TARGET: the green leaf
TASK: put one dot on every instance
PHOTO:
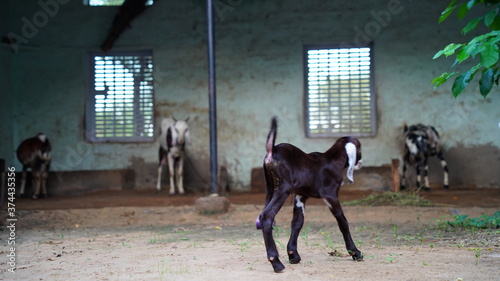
(490, 17)
(465, 52)
(450, 49)
(462, 11)
(470, 4)
(471, 25)
(486, 82)
(490, 55)
(447, 12)
(495, 25)
(438, 54)
(460, 83)
(442, 78)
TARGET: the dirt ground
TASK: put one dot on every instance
(143, 235)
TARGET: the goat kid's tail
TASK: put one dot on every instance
(271, 138)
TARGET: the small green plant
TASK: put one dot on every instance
(305, 232)
(477, 254)
(250, 267)
(391, 258)
(278, 230)
(282, 246)
(483, 222)
(244, 246)
(395, 231)
(329, 243)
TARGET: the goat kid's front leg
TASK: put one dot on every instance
(180, 174)
(335, 208)
(158, 183)
(297, 223)
(267, 220)
(171, 169)
(23, 182)
(162, 160)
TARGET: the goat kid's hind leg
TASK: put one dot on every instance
(37, 179)
(425, 172)
(445, 170)
(335, 208)
(402, 184)
(23, 182)
(44, 176)
(297, 223)
(267, 219)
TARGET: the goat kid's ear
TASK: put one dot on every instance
(350, 149)
(187, 119)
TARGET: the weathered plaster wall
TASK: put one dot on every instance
(5, 93)
(259, 74)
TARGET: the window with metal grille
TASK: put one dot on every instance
(110, 2)
(339, 95)
(120, 98)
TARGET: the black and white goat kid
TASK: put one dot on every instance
(422, 142)
(174, 135)
(288, 170)
(34, 154)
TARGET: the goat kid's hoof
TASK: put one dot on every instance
(446, 187)
(278, 267)
(294, 257)
(356, 256)
(35, 197)
(426, 188)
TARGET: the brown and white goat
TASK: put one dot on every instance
(174, 135)
(34, 154)
(288, 170)
(422, 142)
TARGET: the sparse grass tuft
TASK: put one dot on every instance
(410, 198)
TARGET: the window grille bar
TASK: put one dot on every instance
(120, 100)
(339, 94)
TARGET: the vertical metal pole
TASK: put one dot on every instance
(212, 98)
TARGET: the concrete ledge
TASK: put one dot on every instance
(71, 183)
(367, 178)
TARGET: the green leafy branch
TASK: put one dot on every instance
(484, 46)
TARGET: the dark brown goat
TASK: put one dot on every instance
(34, 153)
(289, 170)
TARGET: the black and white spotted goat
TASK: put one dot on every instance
(174, 135)
(422, 142)
(34, 154)
(289, 170)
